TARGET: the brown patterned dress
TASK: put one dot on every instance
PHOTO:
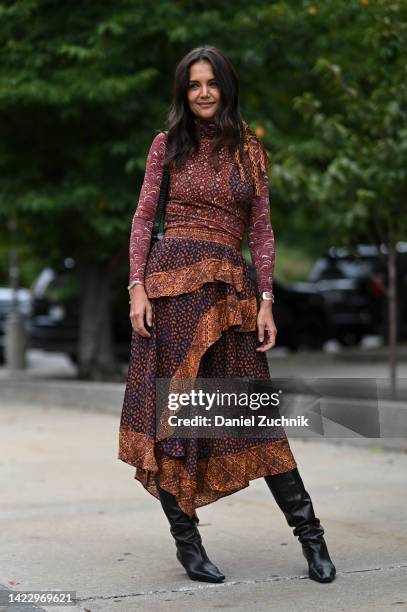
(205, 309)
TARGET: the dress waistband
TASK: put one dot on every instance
(201, 233)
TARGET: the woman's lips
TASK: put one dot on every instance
(207, 104)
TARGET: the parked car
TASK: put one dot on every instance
(299, 312)
(354, 284)
(23, 306)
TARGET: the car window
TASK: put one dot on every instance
(355, 268)
(343, 268)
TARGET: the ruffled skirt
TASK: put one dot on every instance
(204, 325)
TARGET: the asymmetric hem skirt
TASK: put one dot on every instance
(204, 325)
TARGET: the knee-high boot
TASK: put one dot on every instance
(190, 551)
(295, 502)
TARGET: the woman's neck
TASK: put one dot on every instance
(205, 127)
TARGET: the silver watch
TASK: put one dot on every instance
(135, 282)
(267, 295)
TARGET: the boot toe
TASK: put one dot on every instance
(322, 572)
(323, 575)
(213, 571)
(320, 565)
(206, 572)
(202, 569)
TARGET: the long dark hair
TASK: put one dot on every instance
(182, 136)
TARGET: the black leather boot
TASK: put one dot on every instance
(291, 496)
(190, 552)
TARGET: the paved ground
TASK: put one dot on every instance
(74, 518)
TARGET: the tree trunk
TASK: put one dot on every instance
(392, 305)
(96, 358)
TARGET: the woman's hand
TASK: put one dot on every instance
(265, 321)
(140, 306)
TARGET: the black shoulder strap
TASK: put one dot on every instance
(160, 212)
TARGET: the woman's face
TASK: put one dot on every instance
(203, 91)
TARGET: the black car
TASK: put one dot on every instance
(354, 287)
(299, 313)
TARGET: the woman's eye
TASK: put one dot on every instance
(213, 84)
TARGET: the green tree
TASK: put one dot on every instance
(360, 122)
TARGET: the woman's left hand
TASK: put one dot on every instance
(265, 323)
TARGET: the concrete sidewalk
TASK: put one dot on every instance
(74, 518)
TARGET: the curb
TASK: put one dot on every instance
(369, 355)
(80, 395)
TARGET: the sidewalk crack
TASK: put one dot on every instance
(229, 583)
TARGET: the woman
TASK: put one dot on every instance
(194, 292)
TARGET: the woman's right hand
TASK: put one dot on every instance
(140, 306)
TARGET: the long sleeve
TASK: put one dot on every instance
(260, 230)
(143, 219)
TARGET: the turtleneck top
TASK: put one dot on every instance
(228, 200)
